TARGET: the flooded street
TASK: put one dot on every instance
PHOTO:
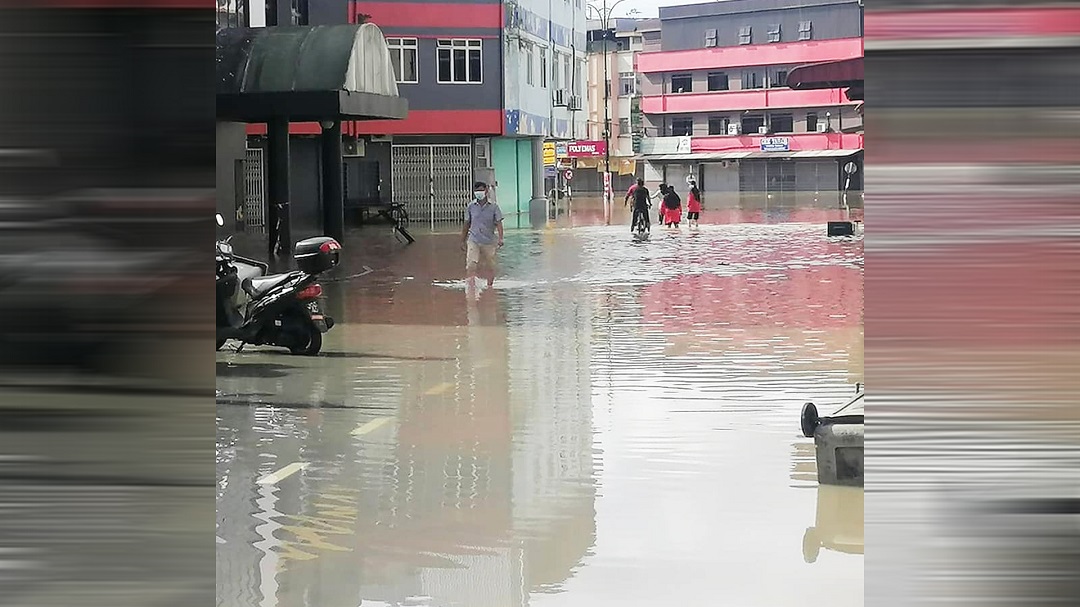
(614, 423)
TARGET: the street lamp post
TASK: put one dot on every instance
(604, 15)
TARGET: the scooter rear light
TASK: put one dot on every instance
(309, 293)
(330, 245)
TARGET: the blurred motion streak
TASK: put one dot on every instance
(106, 190)
(971, 190)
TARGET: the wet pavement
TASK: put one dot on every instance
(614, 423)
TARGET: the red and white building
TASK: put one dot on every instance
(717, 105)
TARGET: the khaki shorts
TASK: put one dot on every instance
(475, 252)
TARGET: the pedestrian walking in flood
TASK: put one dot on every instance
(671, 208)
(482, 235)
(693, 206)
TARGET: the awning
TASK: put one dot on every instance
(306, 74)
(827, 75)
(750, 155)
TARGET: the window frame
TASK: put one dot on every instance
(759, 80)
(746, 35)
(543, 67)
(712, 37)
(623, 77)
(399, 47)
(681, 119)
(708, 81)
(772, 121)
(689, 78)
(774, 34)
(775, 76)
(816, 121)
(725, 122)
(470, 46)
(806, 30)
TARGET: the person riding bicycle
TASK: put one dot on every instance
(640, 194)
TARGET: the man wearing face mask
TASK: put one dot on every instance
(482, 234)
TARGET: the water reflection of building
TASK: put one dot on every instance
(551, 415)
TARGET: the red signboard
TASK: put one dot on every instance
(585, 149)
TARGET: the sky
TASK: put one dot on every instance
(647, 8)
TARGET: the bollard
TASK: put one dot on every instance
(839, 450)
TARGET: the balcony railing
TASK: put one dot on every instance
(755, 99)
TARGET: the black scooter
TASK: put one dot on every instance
(276, 309)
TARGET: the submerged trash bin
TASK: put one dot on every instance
(838, 442)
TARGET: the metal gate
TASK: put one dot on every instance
(433, 181)
(254, 191)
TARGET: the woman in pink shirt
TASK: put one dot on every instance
(693, 206)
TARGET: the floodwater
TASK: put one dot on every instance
(614, 423)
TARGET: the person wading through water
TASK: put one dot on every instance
(482, 234)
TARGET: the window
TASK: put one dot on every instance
(624, 126)
(752, 79)
(299, 12)
(710, 38)
(779, 79)
(782, 123)
(403, 54)
(752, 123)
(682, 83)
(232, 13)
(745, 34)
(627, 84)
(543, 68)
(811, 122)
(718, 81)
(460, 61)
(718, 125)
(568, 76)
(774, 33)
(529, 66)
(682, 127)
(806, 29)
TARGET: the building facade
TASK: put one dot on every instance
(545, 74)
(622, 87)
(717, 107)
(486, 81)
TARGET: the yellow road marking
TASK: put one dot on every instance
(287, 471)
(439, 388)
(371, 426)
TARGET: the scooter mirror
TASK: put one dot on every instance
(220, 220)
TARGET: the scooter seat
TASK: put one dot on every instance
(257, 287)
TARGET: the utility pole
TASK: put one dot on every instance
(604, 14)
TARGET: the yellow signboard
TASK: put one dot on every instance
(549, 153)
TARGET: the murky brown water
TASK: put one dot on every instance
(615, 423)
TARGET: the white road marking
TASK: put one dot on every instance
(287, 471)
(371, 426)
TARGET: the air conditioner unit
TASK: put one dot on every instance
(822, 127)
(560, 98)
(353, 147)
(734, 129)
(483, 153)
(763, 130)
(575, 103)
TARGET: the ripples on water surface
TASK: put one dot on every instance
(615, 423)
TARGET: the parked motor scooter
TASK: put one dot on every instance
(276, 309)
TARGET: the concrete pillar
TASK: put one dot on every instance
(278, 191)
(332, 182)
(538, 204)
